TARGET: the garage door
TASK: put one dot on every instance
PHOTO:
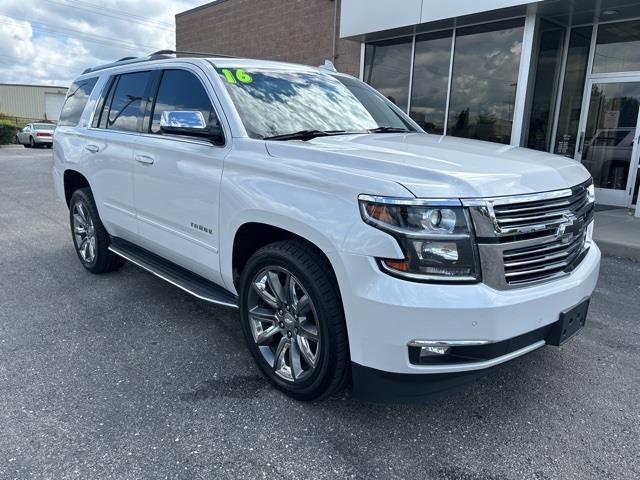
(53, 105)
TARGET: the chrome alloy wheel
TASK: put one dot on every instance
(284, 323)
(84, 233)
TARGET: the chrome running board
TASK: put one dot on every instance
(185, 280)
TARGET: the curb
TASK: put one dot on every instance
(622, 250)
(12, 146)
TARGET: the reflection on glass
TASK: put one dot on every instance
(544, 92)
(181, 90)
(571, 103)
(611, 128)
(430, 81)
(617, 47)
(77, 99)
(387, 67)
(127, 100)
(277, 102)
(484, 80)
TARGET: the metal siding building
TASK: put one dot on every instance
(37, 102)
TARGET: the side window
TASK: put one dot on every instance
(124, 106)
(75, 102)
(181, 90)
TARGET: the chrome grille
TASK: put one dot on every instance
(528, 214)
(525, 239)
(531, 214)
(523, 265)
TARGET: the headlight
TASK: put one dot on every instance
(435, 236)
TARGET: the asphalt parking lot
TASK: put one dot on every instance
(123, 376)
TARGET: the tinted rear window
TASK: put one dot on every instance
(126, 108)
(77, 98)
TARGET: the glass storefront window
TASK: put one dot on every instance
(611, 132)
(545, 87)
(617, 47)
(484, 80)
(571, 103)
(431, 81)
(387, 67)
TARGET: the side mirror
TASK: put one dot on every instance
(189, 123)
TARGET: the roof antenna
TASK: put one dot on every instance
(328, 65)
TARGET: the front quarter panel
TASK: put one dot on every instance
(309, 199)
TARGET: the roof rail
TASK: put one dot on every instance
(153, 56)
(193, 54)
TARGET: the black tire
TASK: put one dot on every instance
(103, 260)
(32, 143)
(313, 271)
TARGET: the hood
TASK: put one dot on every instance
(432, 166)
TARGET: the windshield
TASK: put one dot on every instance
(44, 126)
(276, 102)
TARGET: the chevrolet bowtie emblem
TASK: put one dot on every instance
(561, 233)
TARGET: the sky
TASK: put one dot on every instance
(52, 41)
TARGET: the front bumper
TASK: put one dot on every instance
(385, 313)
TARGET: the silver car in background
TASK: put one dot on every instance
(36, 135)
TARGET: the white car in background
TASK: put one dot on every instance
(36, 135)
(352, 243)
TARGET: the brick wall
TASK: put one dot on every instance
(300, 31)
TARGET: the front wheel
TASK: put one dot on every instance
(90, 238)
(293, 320)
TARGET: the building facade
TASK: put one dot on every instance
(561, 76)
(556, 75)
(299, 31)
(31, 102)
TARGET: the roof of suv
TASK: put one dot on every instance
(218, 60)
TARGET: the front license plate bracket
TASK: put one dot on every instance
(571, 321)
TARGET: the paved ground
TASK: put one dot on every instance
(123, 376)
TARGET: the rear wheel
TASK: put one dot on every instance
(90, 238)
(32, 143)
(293, 320)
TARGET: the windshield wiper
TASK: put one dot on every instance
(306, 135)
(389, 130)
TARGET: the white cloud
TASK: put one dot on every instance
(52, 41)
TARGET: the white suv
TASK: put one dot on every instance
(353, 243)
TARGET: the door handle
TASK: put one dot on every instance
(92, 148)
(146, 159)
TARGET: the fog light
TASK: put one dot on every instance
(433, 351)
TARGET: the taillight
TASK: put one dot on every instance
(43, 134)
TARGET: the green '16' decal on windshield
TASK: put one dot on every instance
(239, 76)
